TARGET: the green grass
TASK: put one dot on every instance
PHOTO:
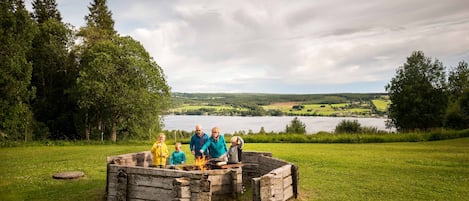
(437, 170)
(185, 108)
(338, 109)
(381, 105)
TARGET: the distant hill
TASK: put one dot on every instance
(259, 104)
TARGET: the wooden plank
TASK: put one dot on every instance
(277, 187)
(149, 180)
(150, 193)
(227, 166)
(295, 180)
(255, 185)
(287, 181)
(283, 171)
(288, 193)
(266, 188)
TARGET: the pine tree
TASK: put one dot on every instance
(99, 23)
(45, 10)
(16, 34)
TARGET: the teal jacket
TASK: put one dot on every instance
(216, 148)
(178, 158)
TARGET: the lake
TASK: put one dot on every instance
(230, 124)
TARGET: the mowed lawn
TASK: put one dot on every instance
(436, 170)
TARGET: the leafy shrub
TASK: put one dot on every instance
(296, 126)
(348, 126)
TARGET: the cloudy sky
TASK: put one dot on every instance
(279, 46)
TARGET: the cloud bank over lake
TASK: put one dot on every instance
(287, 46)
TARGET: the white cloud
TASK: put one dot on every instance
(288, 47)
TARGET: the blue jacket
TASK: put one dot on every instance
(197, 143)
(216, 148)
(178, 158)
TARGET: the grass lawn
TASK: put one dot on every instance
(437, 170)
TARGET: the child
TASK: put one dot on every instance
(236, 149)
(178, 156)
(159, 151)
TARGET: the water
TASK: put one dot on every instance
(230, 124)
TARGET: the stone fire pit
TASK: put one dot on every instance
(130, 177)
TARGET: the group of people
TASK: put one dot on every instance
(201, 145)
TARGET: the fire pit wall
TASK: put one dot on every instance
(129, 177)
(271, 178)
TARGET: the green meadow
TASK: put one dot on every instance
(336, 109)
(436, 170)
(381, 105)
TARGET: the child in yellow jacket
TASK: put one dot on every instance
(160, 151)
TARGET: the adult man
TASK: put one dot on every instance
(198, 139)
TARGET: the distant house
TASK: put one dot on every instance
(298, 107)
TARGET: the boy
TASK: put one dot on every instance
(159, 151)
(178, 156)
(236, 149)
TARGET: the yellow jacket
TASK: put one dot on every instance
(160, 153)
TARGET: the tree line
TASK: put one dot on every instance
(62, 83)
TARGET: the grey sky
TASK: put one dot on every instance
(319, 46)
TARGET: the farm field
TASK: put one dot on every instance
(225, 104)
(381, 105)
(437, 170)
(337, 109)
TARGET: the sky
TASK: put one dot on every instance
(289, 47)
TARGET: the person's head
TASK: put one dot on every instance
(215, 132)
(177, 146)
(234, 141)
(198, 129)
(161, 137)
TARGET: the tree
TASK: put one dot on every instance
(458, 80)
(16, 34)
(99, 23)
(262, 130)
(99, 27)
(123, 85)
(417, 94)
(296, 126)
(45, 10)
(457, 116)
(53, 74)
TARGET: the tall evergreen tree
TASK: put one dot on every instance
(45, 10)
(417, 94)
(53, 75)
(16, 34)
(99, 23)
